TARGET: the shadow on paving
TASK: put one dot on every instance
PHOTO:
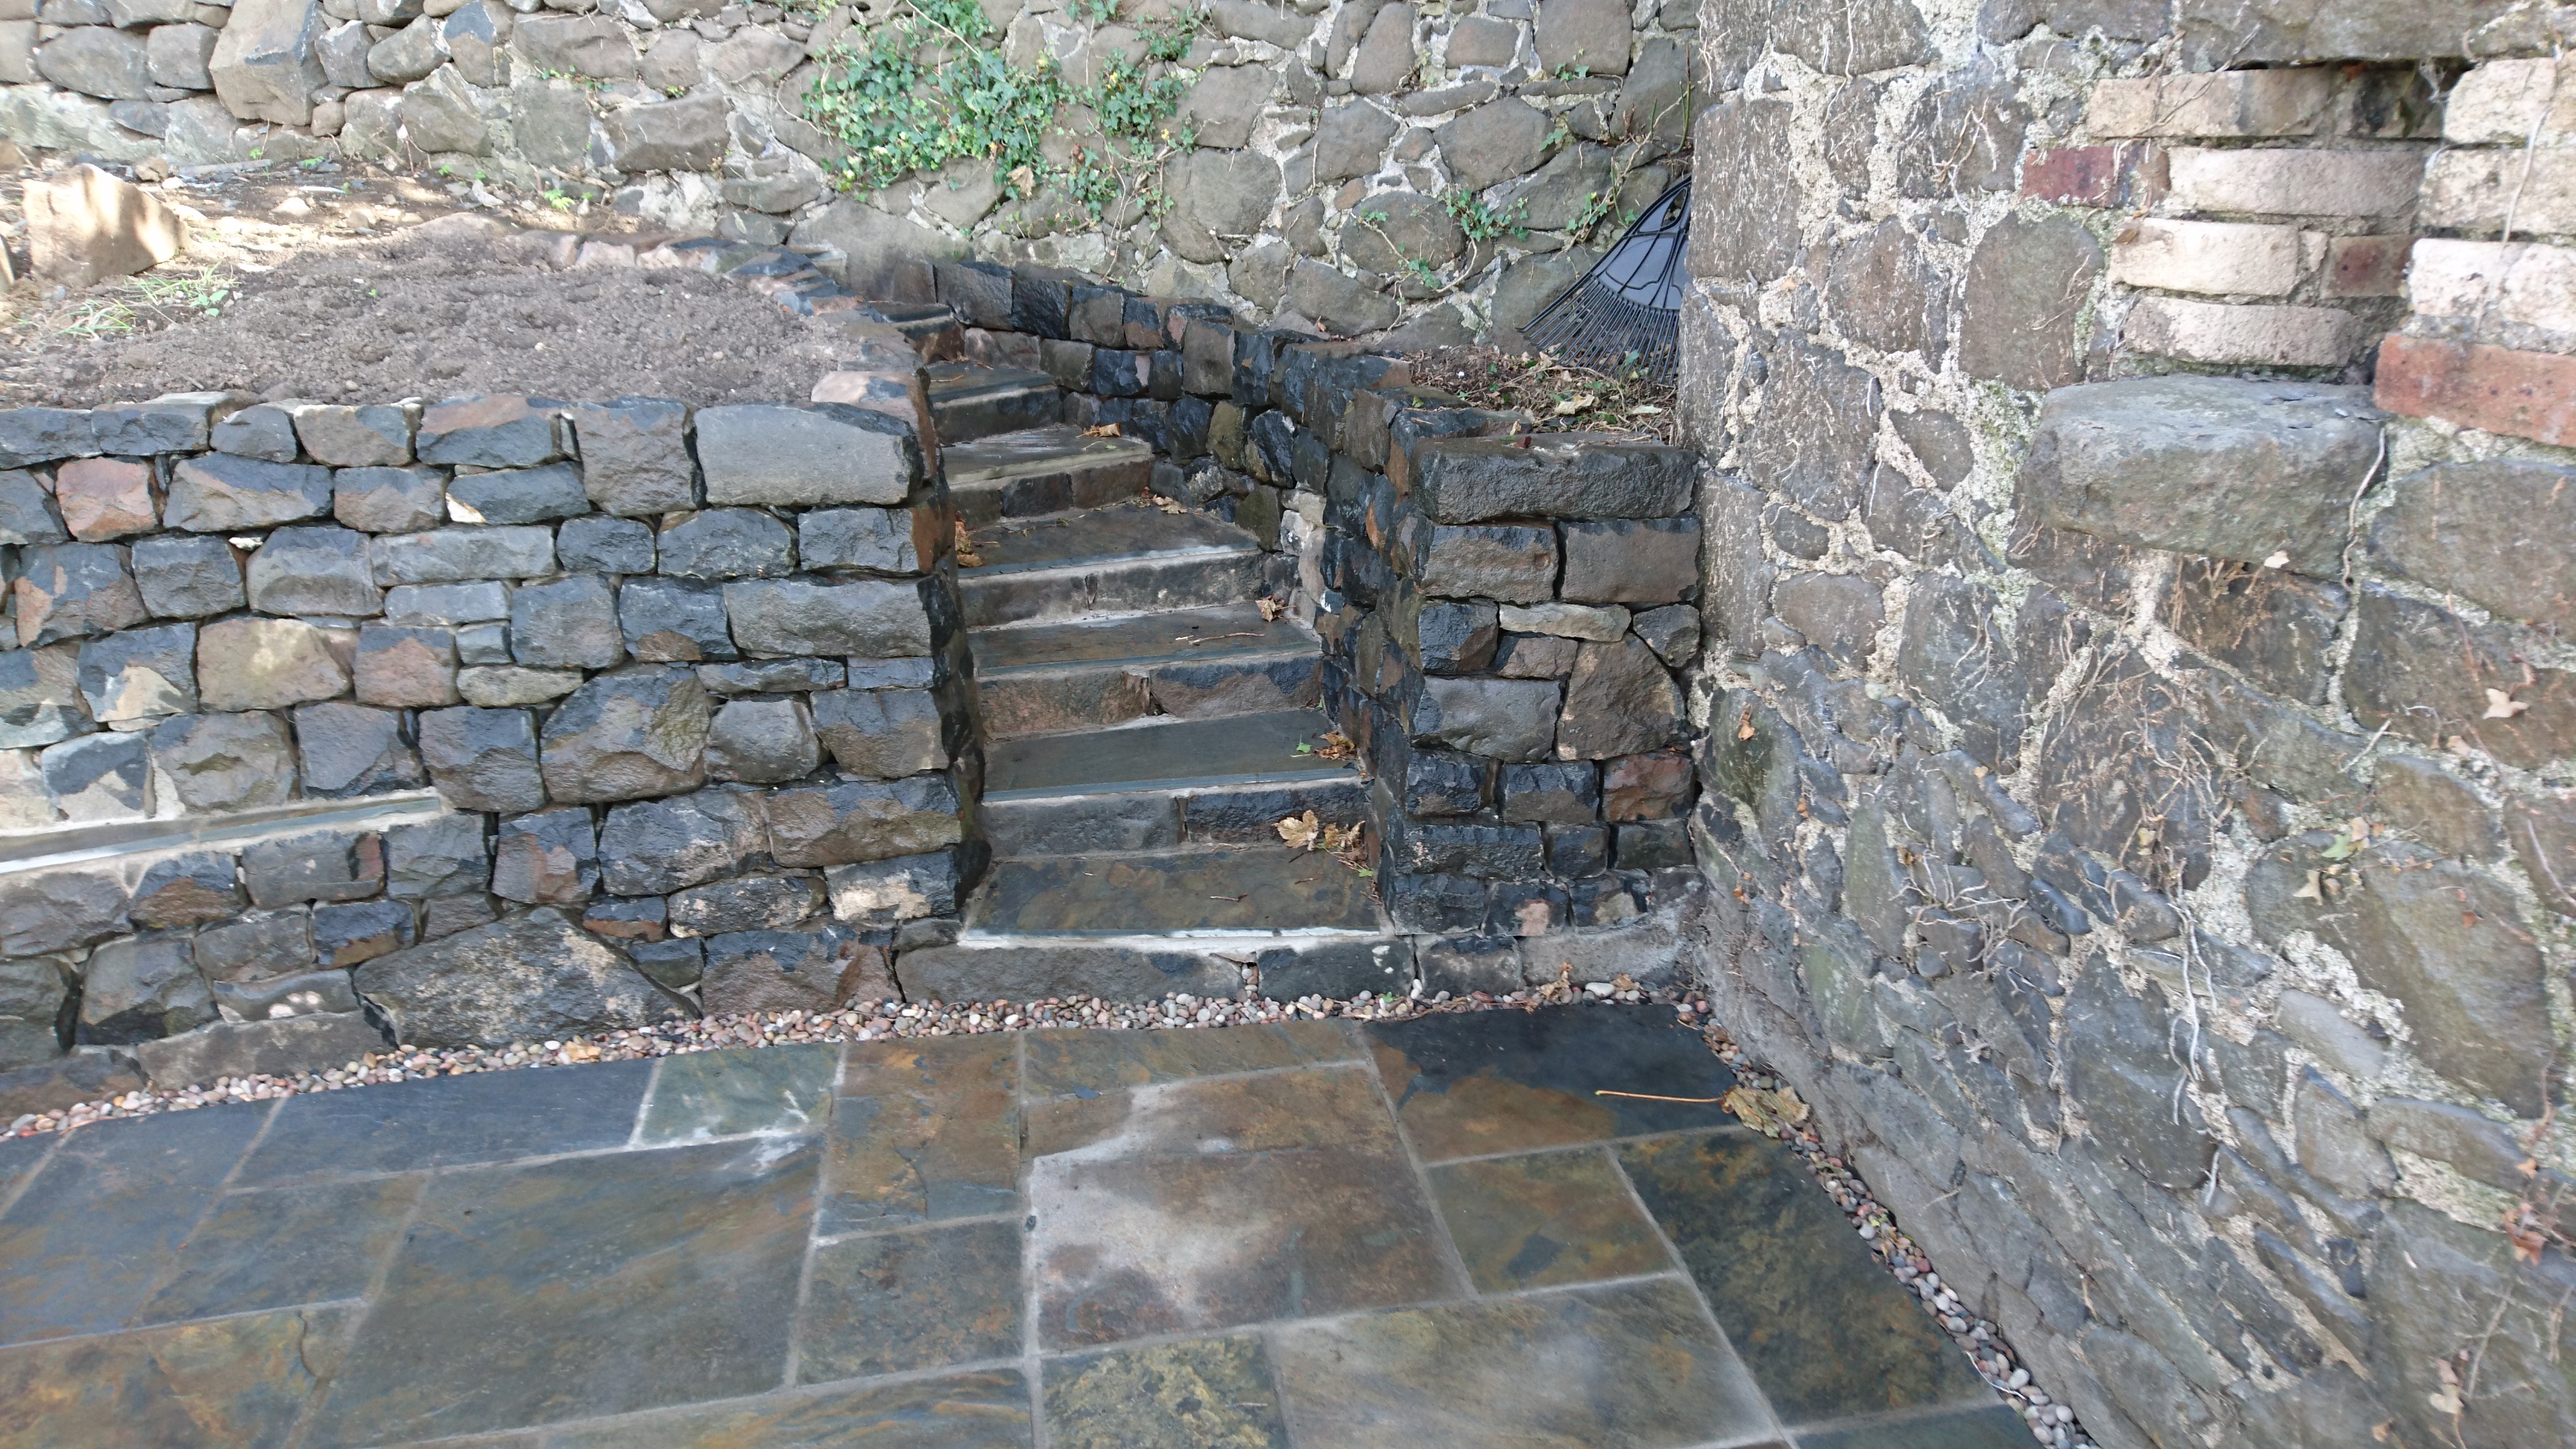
(1464, 1229)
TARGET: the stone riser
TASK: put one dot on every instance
(1147, 968)
(986, 412)
(1184, 582)
(1157, 820)
(1077, 697)
(1096, 486)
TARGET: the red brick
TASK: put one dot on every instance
(2367, 266)
(2127, 175)
(2495, 389)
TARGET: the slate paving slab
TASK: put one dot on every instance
(1208, 1391)
(598, 1285)
(702, 1096)
(1634, 1364)
(923, 1131)
(280, 1247)
(237, 1380)
(1489, 1082)
(1253, 888)
(104, 1221)
(1079, 1061)
(1544, 1220)
(987, 1410)
(1993, 1426)
(19, 1159)
(1191, 1206)
(1825, 1330)
(447, 1121)
(889, 1303)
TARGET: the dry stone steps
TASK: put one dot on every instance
(1038, 470)
(1226, 660)
(1067, 566)
(1148, 725)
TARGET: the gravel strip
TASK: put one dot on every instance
(860, 1021)
(2051, 1423)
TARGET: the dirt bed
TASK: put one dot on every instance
(441, 309)
(1560, 397)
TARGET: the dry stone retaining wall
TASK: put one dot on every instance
(2135, 754)
(1337, 141)
(689, 684)
(1503, 615)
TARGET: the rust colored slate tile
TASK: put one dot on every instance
(894, 1302)
(526, 1295)
(1147, 1246)
(284, 1246)
(1482, 1083)
(1635, 1365)
(922, 1131)
(965, 1411)
(232, 1381)
(1544, 1220)
(1208, 1393)
(1825, 1331)
(1072, 1061)
(1323, 1107)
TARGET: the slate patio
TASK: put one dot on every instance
(1417, 1234)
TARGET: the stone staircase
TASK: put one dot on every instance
(1146, 726)
(1146, 729)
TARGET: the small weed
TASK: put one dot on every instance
(1481, 222)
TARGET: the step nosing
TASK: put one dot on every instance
(1094, 563)
(1203, 784)
(990, 940)
(1060, 666)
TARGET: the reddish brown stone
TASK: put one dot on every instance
(105, 498)
(2367, 266)
(1645, 787)
(2496, 389)
(2129, 175)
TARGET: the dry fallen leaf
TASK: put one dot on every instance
(581, 1051)
(1174, 505)
(1105, 430)
(1301, 831)
(1767, 1112)
(1573, 405)
(2501, 705)
(967, 558)
(1335, 746)
(1270, 609)
(1744, 726)
(2280, 559)
(2314, 890)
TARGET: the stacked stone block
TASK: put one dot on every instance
(689, 683)
(2108, 824)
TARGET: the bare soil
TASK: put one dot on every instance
(365, 287)
(1561, 398)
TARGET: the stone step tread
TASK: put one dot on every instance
(950, 382)
(1099, 536)
(1061, 448)
(1253, 888)
(1247, 749)
(1172, 636)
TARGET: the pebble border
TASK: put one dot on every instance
(2052, 1423)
